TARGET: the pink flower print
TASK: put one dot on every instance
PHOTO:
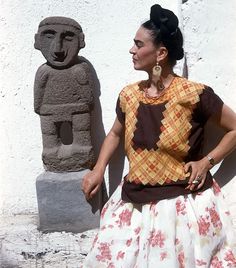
(177, 241)
(128, 242)
(104, 210)
(153, 209)
(189, 225)
(216, 263)
(203, 226)
(163, 256)
(137, 230)
(200, 263)
(157, 238)
(112, 202)
(215, 218)
(95, 241)
(180, 207)
(216, 188)
(136, 253)
(227, 213)
(105, 252)
(138, 239)
(125, 218)
(181, 259)
(229, 257)
(111, 265)
(120, 255)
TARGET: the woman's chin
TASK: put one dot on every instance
(136, 67)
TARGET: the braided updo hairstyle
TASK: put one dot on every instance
(163, 25)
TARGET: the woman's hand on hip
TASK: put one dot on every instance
(198, 171)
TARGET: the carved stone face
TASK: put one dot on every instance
(59, 44)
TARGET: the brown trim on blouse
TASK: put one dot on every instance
(139, 193)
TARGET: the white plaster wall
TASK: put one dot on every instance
(210, 45)
(109, 28)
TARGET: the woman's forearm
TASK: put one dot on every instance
(109, 146)
(225, 147)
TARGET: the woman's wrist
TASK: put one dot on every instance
(99, 168)
(210, 161)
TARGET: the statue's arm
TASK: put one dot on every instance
(40, 82)
(84, 79)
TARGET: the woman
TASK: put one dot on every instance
(168, 211)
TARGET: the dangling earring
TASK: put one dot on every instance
(156, 76)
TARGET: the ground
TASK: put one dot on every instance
(23, 246)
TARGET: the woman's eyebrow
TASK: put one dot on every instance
(136, 41)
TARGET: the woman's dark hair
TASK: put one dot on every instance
(163, 25)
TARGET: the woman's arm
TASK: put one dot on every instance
(226, 120)
(93, 180)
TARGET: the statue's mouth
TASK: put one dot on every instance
(59, 56)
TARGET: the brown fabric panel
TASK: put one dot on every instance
(139, 193)
(147, 132)
(209, 105)
(120, 114)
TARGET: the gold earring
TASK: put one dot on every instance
(156, 76)
(156, 72)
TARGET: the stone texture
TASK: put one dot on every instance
(62, 205)
(63, 96)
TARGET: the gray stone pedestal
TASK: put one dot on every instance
(62, 205)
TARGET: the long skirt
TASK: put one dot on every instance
(188, 231)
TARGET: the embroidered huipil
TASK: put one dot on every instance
(161, 135)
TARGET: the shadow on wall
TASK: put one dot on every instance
(227, 169)
(98, 134)
(116, 167)
(213, 135)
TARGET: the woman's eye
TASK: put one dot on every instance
(139, 44)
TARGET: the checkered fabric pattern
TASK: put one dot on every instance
(166, 163)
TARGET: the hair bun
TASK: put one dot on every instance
(164, 19)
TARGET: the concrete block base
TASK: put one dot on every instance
(62, 205)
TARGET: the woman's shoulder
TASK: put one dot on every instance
(132, 87)
(190, 83)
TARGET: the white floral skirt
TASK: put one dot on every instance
(188, 231)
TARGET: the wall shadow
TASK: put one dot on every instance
(116, 167)
(97, 128)
(227, 169)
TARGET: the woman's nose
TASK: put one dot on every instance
(132, 51)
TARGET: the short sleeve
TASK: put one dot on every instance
(210, 104)
(120, 110)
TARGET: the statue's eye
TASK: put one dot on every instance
(49, 34)
(68, 36)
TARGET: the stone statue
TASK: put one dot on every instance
(63, 96)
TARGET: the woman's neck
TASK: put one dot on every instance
(167, 76)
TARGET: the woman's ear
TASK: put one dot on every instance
(162, 53)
